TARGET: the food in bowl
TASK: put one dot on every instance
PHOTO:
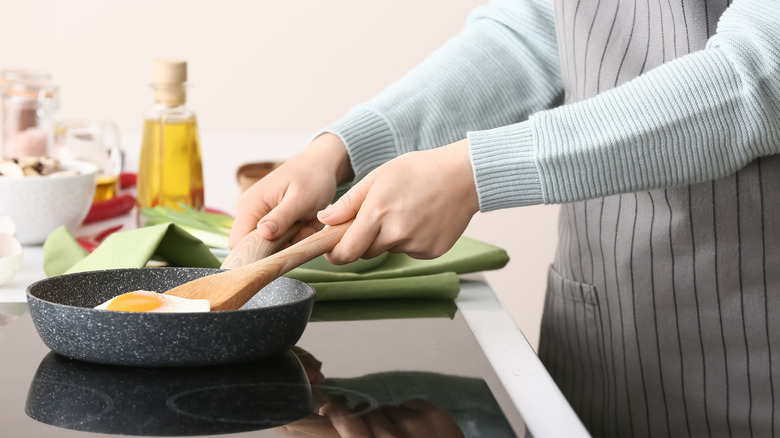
(149, 301)
(33, 166)
(41, 204)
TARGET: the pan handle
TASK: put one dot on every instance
(253, 247)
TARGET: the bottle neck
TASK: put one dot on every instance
(167, 114)
(170, 95)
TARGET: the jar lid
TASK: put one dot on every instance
(30, 89)
(23, 75)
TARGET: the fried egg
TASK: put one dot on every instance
(147, 301)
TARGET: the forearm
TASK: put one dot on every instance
(499, 70)
(697, 118)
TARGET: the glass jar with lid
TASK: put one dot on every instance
(30, 104)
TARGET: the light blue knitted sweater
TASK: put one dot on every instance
(697, 118)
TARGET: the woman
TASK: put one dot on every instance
(664, 156)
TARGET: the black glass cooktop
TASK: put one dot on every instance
(359, 367)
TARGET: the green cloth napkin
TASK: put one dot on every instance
(402, 276)
(60, 252)
(441, 285)
(391, 308)
(466, 256)
(399, 276)
(126, 249)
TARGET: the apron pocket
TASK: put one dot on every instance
(570, 289)
(571, 346)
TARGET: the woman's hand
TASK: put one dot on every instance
(293, 192)
(311, 365)
(415, 418)
(419, 204)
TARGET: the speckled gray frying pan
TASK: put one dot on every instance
(63, 311)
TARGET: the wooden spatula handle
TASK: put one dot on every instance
(254, 247)
(309, 248)
(231, 289)
(254, 276)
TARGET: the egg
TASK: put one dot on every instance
(147, 301)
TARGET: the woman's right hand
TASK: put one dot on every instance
(294, 192)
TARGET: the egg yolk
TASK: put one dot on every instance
(135, 302)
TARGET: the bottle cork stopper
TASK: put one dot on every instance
(169, 71)
(168, 77)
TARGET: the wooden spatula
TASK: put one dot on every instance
(253, 247)
(231, 289)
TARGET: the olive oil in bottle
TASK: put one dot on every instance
(170, 170)
(107, 187)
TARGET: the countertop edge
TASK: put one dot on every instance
(544, 409)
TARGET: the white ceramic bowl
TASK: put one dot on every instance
(11, 257)
(7, 226)
(40, 205)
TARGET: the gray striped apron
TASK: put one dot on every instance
(660, 317)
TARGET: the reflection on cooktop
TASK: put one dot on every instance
(243, 403)
(358, 365)
(274, 393)
(167, 401)
(414, 404)
(8, 313)
(449, 405)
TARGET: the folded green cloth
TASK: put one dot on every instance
(402, 276)
(398, 276)
(391, 308)
(127, 249)
(441, 285)
(466, 256)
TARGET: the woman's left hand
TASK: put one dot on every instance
(415, 418)
(418, 204)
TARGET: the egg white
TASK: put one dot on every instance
(170, 303)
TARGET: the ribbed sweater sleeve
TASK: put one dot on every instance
(697, 118)
(502, 67)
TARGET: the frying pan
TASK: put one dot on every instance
(62, 309)
(169, 401)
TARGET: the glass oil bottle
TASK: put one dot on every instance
(170, 171)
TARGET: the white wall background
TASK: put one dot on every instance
(269, 66)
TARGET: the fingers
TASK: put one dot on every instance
(311, 365)
(345, 421)
(310, 228)
(347, 205)
(249, 209)
(376, 423)
(414, 418)
(293, 192)
(382, 424)
(360, 234)
(293, 207)
(425, 416)
(274, 211)
(418, 404)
